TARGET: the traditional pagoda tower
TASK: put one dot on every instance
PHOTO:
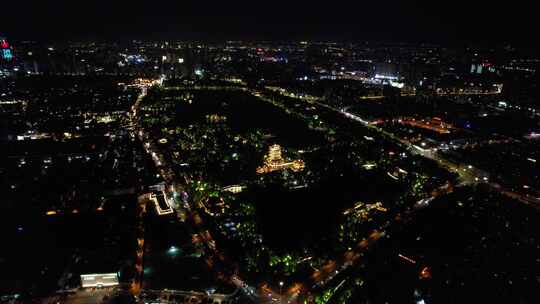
(274, 161)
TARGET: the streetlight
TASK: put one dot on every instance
(280, 287)
(173, 251)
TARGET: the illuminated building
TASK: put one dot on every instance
(161, 203)
(215, 118)
(363, 211)
(385, 70)
(145, 82)
(274, 161)
(99, 280)
(434, 124)
(234, 188)
(476, 69)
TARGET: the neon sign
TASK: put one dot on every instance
(6, 54)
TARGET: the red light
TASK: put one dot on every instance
(4, 44)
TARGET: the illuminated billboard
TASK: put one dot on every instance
(5, 50)
(4, 44)
(6, 54)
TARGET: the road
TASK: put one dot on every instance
(175, 184)
(172, 296)
(468, 175)
(83, 296)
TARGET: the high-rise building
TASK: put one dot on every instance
(6, 54)
(385, 70)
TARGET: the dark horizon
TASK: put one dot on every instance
(458, 23)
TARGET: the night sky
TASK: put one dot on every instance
(382, 20)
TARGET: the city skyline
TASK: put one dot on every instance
(269, 153)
